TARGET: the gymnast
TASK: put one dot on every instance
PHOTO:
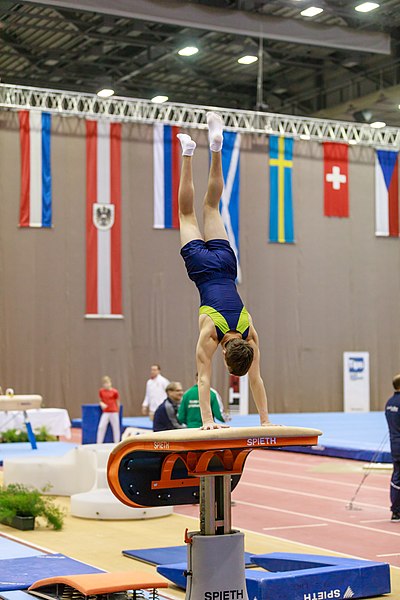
(211, 264)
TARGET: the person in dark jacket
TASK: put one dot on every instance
(392, 412)
(165, 416)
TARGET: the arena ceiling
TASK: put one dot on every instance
(342, 64)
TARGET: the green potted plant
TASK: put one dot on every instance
(20, 435)
(19, 506)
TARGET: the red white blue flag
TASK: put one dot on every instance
(166, 165)
(387, 193)
(35, 138)
(103, 220)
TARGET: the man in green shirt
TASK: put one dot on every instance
(189, 409)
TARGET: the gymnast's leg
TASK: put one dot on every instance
(189, 228)
(213, 224)
(114, 420)
(395, 490)
(102, 428)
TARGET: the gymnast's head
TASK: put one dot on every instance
(238, 356)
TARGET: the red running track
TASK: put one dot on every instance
(304, 498)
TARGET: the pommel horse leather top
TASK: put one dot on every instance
(20, 402)
(164, 468)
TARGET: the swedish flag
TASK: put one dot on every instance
(281, 228)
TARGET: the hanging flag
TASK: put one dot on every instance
(166, 165)
(281, 229)
(103, 220)
(336, 180)
(35, 206)
(229, 205)
(387, 193)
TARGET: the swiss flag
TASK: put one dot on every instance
(336, 180)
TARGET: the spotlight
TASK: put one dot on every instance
(248, 59)
(312, 11)
(378, 124)
(159, 99)
(188, 51)
(105, 93)
(366, 7)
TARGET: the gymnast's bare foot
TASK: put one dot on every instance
(212, 425)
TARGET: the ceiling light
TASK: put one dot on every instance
(350, 63)
(105, 93)
(366, 7)
(353, 142)
(311, 11)
(159, 99)
(305, 136)
(378, 124)
(248, 59)
(399, 106)
(188, 51)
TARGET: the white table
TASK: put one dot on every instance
(56, 420)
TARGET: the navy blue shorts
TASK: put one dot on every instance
(209, 260)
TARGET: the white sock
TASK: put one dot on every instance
(215, 129)
(188, 145)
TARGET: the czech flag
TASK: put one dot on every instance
(166, 165)
(36, 201)
(387, 193)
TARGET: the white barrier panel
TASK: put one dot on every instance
(356, 381)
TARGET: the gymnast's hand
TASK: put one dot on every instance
(211, 425)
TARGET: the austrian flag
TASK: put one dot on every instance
(336, 180)
(103, 220)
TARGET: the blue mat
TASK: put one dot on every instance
(15, 595)
(302, 577)
(345, 435)
(12, 549)
(20, 573)
(168, 555)
(44, 449)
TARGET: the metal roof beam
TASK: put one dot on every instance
(14, 97)
(197, 16)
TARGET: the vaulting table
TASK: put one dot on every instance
(195, 466)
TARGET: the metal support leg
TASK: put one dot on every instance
(31, 435)
(215, 505)
(216, 553)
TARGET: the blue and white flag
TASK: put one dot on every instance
(230, 199)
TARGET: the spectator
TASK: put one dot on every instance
(165, 415)
(189, 409)
(155, 391)
(109, 403)
(392, 412)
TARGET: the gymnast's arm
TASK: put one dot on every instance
(206, 346)
(256, 383)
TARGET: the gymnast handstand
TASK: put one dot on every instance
(211, 264)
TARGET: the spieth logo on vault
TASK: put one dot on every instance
(161, 445)
(263, 441)
(328, 595)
